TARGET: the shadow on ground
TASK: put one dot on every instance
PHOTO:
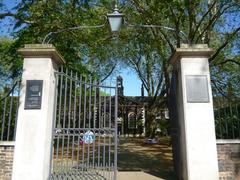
(154, 159)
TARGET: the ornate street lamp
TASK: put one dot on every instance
(115, 20)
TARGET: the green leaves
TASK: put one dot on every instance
(94, 50)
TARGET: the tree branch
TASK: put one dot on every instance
(158, 87)
(212, 22)
(228, 39)
(110, 72)
(137, 69)
(203, 17)
(227, 61)
(218, 89)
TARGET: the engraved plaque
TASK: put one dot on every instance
(197, 89)
(33, 97)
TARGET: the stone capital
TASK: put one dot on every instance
(42, 51)
(195, 50)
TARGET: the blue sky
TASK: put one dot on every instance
(132, 85)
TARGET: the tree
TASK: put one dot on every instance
(146, 50)
(212, 22)
(51, 20)
(10, 63)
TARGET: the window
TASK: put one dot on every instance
(132, 120)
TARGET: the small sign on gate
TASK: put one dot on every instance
(88, 137)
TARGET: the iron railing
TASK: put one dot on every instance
(9, 102)
(85, 128)
(227, 117)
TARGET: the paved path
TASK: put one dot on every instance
(126, 175)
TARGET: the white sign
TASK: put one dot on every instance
(88, 137)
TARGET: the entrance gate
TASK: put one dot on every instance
(85, 129)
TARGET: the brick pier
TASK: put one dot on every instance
(6, 160)
(229, 159)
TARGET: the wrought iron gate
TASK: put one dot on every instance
(85, 129)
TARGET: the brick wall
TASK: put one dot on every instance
(6, 160)
(229, 159)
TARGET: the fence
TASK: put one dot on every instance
(9, 102)
(227, 117)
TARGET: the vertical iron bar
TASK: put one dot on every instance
(10, 115)
(78, 147)
(64, 119)
(80, 102)
(3, 122)
(59, 112)
(104, 124)
(74, 116)
(17, 106)
(75, 98)
(226, 120)
(94, 120)
(89, 118)
(110, 126)
(231, 117)
(79, 117)
(99, 124)
(85, 101)
(104, 110)
(52, 165)
(69, 117)
(84, 120)
(90, 103)
(116, 138)
(219, 116)
(94, 104)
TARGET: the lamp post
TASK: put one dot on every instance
(115, 20)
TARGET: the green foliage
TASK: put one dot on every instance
(215, 23)
(81, 49)
(144, 49)
(10, 62)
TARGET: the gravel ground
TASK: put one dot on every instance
(154, 159)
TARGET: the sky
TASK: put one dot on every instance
(131, 83)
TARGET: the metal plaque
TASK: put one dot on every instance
(197, 89)
(33, 97)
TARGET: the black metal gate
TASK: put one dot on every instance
(85, 129)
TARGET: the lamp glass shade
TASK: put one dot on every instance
(115, 21)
